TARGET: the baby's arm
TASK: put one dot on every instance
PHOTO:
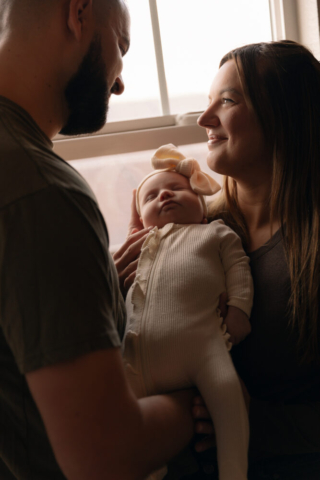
(238, 325)
(238, 281)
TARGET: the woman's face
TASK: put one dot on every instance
(237, 145)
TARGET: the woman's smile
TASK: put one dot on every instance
(214, 139)
(236, 142)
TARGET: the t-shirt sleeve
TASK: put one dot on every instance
(59, 288)
(239, 284)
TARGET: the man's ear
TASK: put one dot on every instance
(79, 14)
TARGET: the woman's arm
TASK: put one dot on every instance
(238, 281)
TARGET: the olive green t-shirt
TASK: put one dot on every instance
(59, 295)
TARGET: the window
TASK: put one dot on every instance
(175, 52)
(115, 176)
(188, 40)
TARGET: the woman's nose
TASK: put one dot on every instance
(208, 119)
(118, 86)
(165, 194)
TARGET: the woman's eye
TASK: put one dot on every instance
(227, 100)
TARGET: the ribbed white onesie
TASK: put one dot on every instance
(174, 338)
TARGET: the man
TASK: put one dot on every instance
(66, 410)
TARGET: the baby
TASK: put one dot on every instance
(175, 337)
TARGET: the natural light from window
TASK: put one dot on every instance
(195, 35)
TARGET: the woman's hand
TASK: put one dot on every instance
(223, 305)
(126, 258)
(238, 325)
(203, 425)
(135, 224)
(201, 415)
(246, 395)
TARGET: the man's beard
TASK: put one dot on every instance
(87, 94)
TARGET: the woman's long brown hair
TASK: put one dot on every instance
(281, 80)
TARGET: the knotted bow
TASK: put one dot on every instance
(168, 158)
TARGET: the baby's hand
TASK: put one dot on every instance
(238, 325)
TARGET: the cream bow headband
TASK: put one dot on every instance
(168, 158)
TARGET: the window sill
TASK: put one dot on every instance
(132, 136)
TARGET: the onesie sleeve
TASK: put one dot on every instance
(239, 284)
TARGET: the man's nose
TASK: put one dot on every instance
(118, 86)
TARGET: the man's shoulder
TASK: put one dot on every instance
(27, 168)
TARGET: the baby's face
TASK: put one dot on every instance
(168, 198)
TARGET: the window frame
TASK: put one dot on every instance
(290, 19)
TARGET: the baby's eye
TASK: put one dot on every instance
(149, 197)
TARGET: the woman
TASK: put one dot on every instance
(263, 125)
